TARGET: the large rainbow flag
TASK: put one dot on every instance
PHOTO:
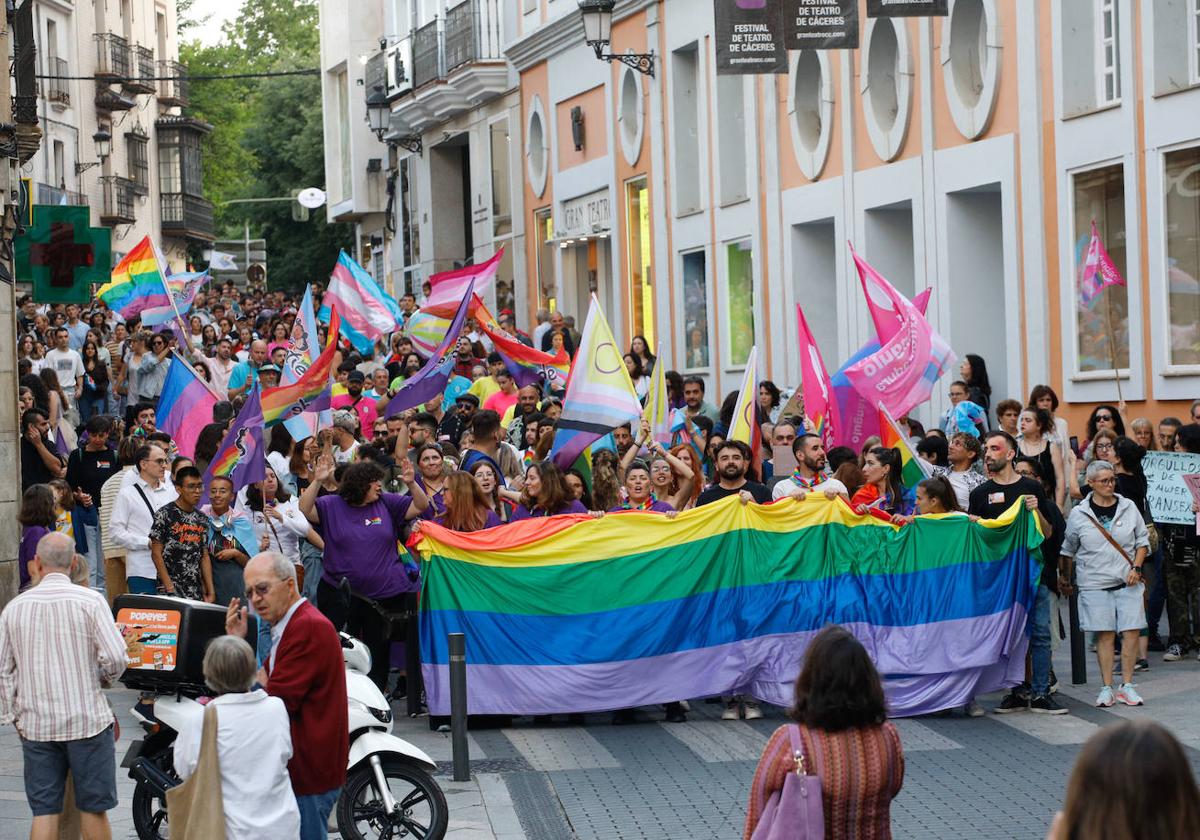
(574, 614)
(137, 282)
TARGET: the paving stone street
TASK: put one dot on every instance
(992, 778)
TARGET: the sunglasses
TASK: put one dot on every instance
(260, 589)
(1104, 417)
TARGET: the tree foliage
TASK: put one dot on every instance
(267, 137)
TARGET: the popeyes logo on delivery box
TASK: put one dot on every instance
(155, 648)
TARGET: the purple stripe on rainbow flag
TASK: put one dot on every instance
(960, 658)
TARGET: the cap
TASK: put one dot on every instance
(269, 368)
(356, 376)
(467, 398)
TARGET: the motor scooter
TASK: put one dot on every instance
(389, 790)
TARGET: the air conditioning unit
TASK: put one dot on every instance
(399, 68)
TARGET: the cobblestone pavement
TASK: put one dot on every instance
(992, 777)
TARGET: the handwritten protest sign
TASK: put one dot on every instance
(1169, 497)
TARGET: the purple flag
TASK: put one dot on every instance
(431, 379)
(240, 457)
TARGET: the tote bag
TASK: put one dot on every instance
(196, 809)
(796, 812)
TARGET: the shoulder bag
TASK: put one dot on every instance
(1104, 533)
(796, 812)
(196, 807)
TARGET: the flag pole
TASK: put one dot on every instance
(1112, 348)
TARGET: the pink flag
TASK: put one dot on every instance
(448, 288)
(881, 298)
(1097, 271)
(819, 404)
(902, 372)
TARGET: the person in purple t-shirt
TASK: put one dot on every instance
(638, 493)
(362, 527)
(545, 494)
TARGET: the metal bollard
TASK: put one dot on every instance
(459, 749)
(1078, 657)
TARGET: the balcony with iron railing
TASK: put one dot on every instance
(47, 194)
(187, 216)
(141, 71)
(173, 84)
(457, 64)
(117, 200)
(472, 33)
(427, 54)
(57, 88)
(109, 98)
(112, 56)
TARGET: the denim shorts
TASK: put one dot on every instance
(93, 765)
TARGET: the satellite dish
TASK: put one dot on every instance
(311, 197)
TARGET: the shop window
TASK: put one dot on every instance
(640, 260)
(695, 310)
(1182, 183)
(1100, 194)
(739, 300)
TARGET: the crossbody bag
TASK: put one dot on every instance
(1104, 533)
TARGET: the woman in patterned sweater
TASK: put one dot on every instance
(847, 741)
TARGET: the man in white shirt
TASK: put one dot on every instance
(59, 648)
(345, 425)
(221, 366)
(809, 475)
(133, 515)
(67, 365)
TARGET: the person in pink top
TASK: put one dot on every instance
(504, 399)
(360, 403)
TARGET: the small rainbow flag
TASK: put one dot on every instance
(658, 408)
(744, 425)
(137, 283)
(912, 470)
(241, 456)
(311, 391)
(527, 365)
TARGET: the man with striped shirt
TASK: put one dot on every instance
(59, 648)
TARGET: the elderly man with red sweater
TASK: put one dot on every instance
(306, 671)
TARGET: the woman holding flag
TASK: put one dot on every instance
(884, 491)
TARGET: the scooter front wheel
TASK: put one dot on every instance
(420, 812)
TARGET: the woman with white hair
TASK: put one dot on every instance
(1107, 540)
(254, 744)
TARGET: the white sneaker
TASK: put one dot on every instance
(733, 710)
(1128, 695)
(973, 709)
(1105, 697)
(753, 712)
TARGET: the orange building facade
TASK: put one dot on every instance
(968, 153)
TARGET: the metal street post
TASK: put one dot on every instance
(459, 749)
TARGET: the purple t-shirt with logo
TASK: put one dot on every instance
(655, 507)
(360, 544)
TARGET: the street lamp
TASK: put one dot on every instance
(103, 140)
(378, 112)
(597, 33)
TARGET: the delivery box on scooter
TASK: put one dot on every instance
(169, 653)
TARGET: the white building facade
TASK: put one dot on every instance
(450, 155)
(116, 55)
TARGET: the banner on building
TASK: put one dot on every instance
(749, 37)
(820, 24)
(908, 8)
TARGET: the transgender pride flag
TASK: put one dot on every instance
(368, 313)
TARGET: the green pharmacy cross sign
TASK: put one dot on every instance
(62, 255)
